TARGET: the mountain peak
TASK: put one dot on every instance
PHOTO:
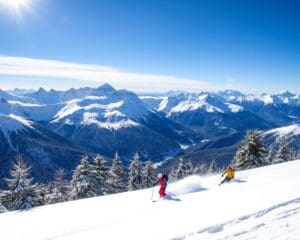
(41, 90)
(106, 88)
(286, 93)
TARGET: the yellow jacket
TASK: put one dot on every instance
(229, 173)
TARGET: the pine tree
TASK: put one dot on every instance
(100, 174)
(135, 178)
(2, 208)
(184, 168)
(284, 153)
(58, 190)
(251, 152)
(83, 181)
(172, 175)
(117, 175)
(200, 169)
(271, 155)
(189, 168)
(42, 191)
(179, 172)
(22, 193)
(213, 167)
(148, 174)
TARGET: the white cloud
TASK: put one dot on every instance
(24, 67)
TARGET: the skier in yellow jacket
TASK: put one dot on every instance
(229, 172)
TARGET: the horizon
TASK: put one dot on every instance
(149, 93)
(151, 46)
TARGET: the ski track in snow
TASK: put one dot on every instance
(251, 224)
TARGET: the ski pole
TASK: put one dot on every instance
(152, 193)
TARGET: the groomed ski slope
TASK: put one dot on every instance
(263, 203)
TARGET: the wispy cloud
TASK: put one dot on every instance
(29, 67)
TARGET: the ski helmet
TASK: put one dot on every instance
(159, 175)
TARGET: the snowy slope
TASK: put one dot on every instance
(290, 135)
(285, 131)
(262, 203)
(11, 124)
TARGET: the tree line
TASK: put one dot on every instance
(96, 178)
(253, 153)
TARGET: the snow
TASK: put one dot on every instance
(234, 108)
(261, 203)
(163, 105)
(13, 123)
(30, 111)
(151, 97)
(191, 105)
(96, 97)
(91, 118)
(267, 99)
(22, 120)
(184, 146)
(277, 222)
(208, 102)
(73, 106)
(70, 108)
(93, 113)
(285, 131)
(14, 102)
(120, 110)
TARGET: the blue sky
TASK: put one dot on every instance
(151, 45)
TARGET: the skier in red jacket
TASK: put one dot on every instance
(163, 182)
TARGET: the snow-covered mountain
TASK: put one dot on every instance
(31, 111)
(10, 96)
(262, 203)
(227, 111)
(106, 122)
(41, 96)
(120, 121)
(43, 149)
(20, 91)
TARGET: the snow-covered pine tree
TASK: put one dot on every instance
(116, 178)
(251, 152)
(189, 168)
(172, 175)
(100, 174)
(200, 169)
(179, 172)
(148, 174)
(270, 155)
(42, 190)
(22, 193)
(183, 169)
(83, 182)
(58, 191)
(284, 153)
(213, 167)
(135, 178)
(2, 208)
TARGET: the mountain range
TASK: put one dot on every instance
(52, 129)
